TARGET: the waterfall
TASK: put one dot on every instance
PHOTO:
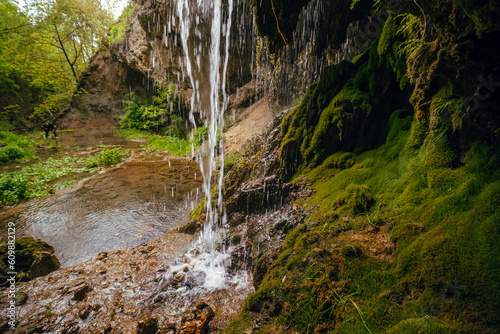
(204, 28)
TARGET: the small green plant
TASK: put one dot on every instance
(173, 144)
(108, 157)
(49, 314)
(41, 179)
(13, 188)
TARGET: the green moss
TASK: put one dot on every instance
(444, 180)
(296, 125)
(435, 179)
(418, 133)
(337, 123)
(27, 250)
(356, 199)
(239, 325)
(199, 210)
(352, 251)
(483, 13)
(439, 151)
(425, 324)
(488, 202)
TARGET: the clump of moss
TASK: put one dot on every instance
(356, 199)
(27, 250)
(439, 150)
(352, 251)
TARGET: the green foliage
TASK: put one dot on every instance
(14, 147)
(172, 144)
(106, 157)
(111, 156)
(117, 30)
(43, 49)
(164, 115)
(176, 145)
(13, 188)
(41, 179)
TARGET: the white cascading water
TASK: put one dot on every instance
(204, 32)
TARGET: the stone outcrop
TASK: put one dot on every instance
(33, 259)
(44, 264)
(150, 53)
(196, 320)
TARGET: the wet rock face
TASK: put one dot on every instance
(196, 320)
(149, 54)
(44, 264)
(258, 195)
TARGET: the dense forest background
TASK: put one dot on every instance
(44, 47)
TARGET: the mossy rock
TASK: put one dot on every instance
(399, 121)
(356, 199)
(340, 160)
(345, 119)
(262, 266)
(418, 132)
(27, 250)
(439, 150)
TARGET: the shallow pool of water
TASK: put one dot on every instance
(119, 208)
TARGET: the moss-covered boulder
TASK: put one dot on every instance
(27, 250)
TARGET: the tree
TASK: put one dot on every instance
(43, 50)
(74, 27)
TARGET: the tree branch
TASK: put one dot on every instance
(7, 30)
(65, 54)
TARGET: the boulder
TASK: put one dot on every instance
(148, 325)
(196, 320)
(44, 264)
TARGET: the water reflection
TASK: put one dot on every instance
(116, 209)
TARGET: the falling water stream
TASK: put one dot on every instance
(205, 31)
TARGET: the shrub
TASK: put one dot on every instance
(12, 188)
(14, 147)
(108, 157)
(12, 152)
(117, 30)
(164, 115)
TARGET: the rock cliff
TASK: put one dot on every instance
(149, 54)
